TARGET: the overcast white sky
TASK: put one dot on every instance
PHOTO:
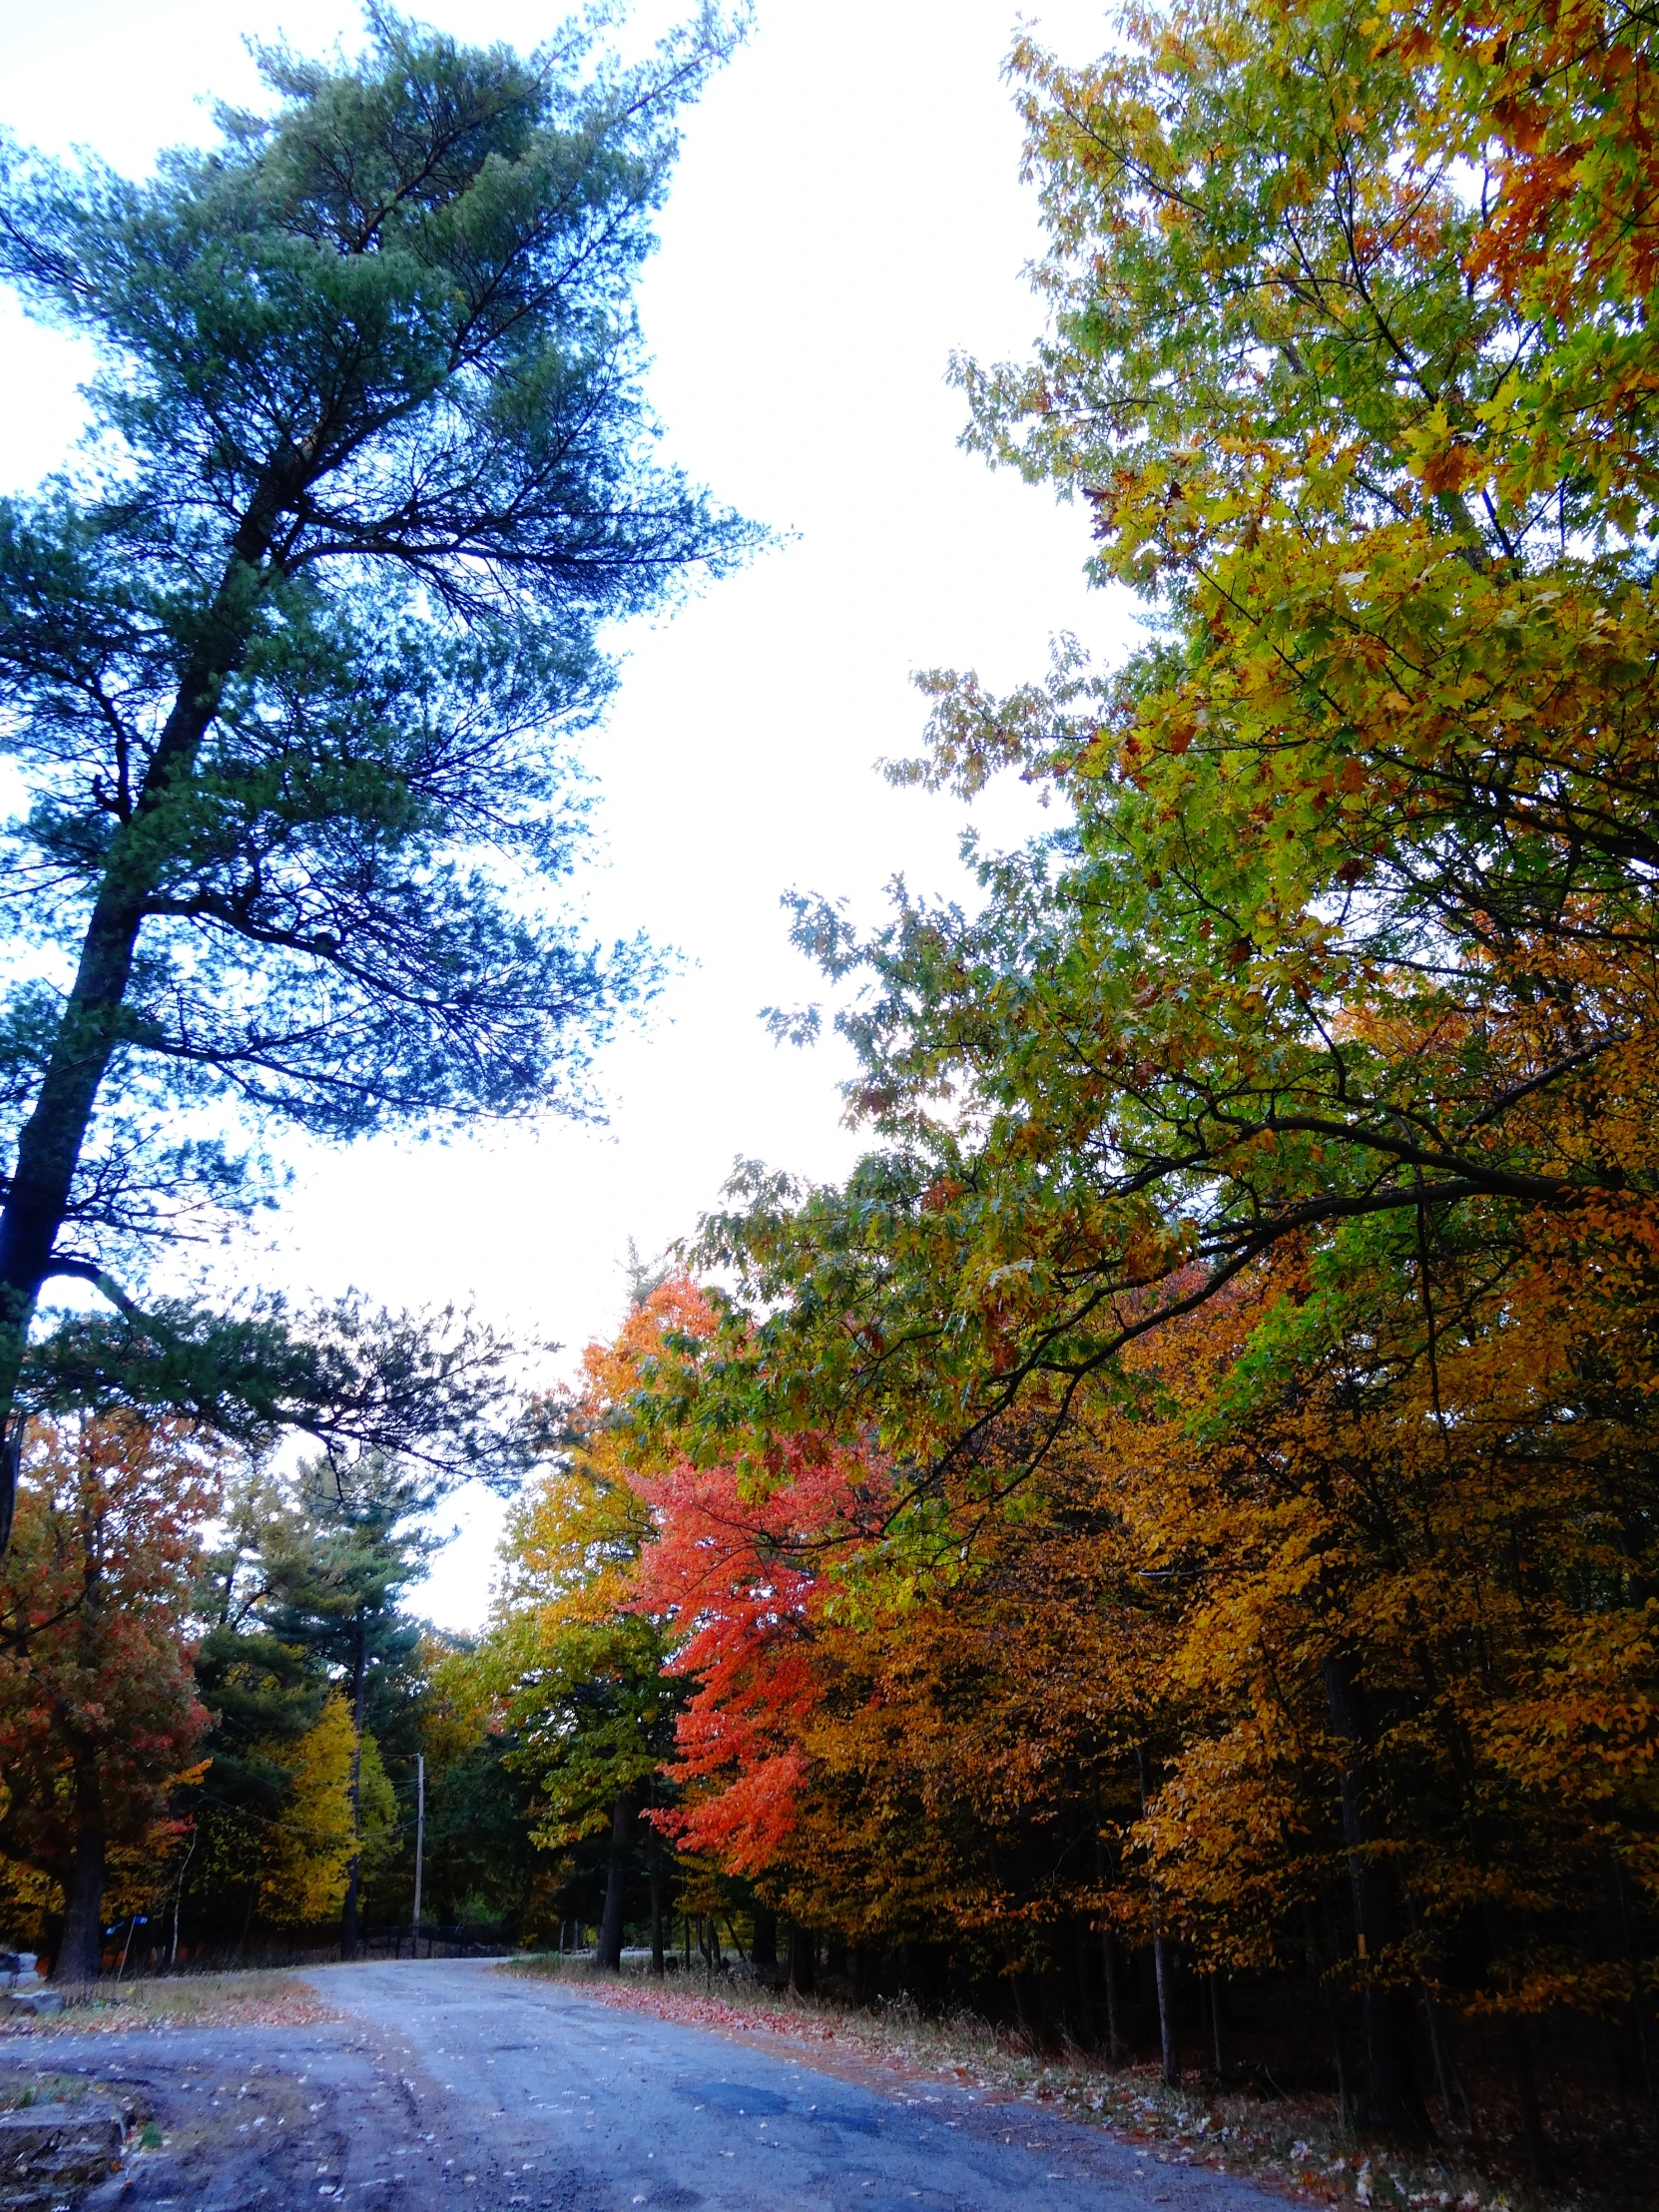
(847, 211)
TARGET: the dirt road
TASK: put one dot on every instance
(453, 2083)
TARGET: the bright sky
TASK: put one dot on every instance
(846, 213)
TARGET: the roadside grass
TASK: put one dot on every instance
(1293, 2144)
(259, 1998)
(42, 2088)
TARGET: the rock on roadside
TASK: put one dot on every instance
(48, 2152)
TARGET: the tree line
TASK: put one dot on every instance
(213, 1700)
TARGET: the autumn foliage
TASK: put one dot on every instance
(98, 1708)
(1182, 1513)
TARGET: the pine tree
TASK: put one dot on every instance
(290, 660)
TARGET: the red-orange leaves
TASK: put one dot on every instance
(745, 1582)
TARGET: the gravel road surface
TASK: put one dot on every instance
(452, 2083)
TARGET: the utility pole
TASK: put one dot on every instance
(421, 1838)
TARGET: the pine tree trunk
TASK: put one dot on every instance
(81, 1949)
(50, 1143)
(609, 1956)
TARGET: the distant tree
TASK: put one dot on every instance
(336, 1572)
(288, 663)
(98, 1712)
(304, 1857)
(481, 1862)
(266, 1699)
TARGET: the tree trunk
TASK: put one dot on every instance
(50, 1142)
(609, 1955)
(766, 1935)
(1526, 2092)
(1163, 1973)
(1638, 2005)
(1114, 2015)
(802, 1961)
(1108, 1953)
(1391, 2103)
(1455, 2099)
(348, 1912)
(654, 1862)
(81, 1948)
(1339, 2054)
(1163, 1968)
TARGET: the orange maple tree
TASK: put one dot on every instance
(97, 1706)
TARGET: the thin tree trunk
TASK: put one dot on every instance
(1163, 1968)
(80, 1952)
(654, 1862)
(1316, 1969)
(178, 1890)
(1114, 2017)
(1339, 2059)
(1108, 1956)
(1391, 2105)
(1615, 2074)
(1453, 2096)
(1638, 2003)
(1526, 2092)
(348, 1912)
(1215, 2021)
(609, 1955)
(1163, 1973)
(1079, 1954)
(246, 1921)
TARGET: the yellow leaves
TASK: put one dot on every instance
(307, 1849)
